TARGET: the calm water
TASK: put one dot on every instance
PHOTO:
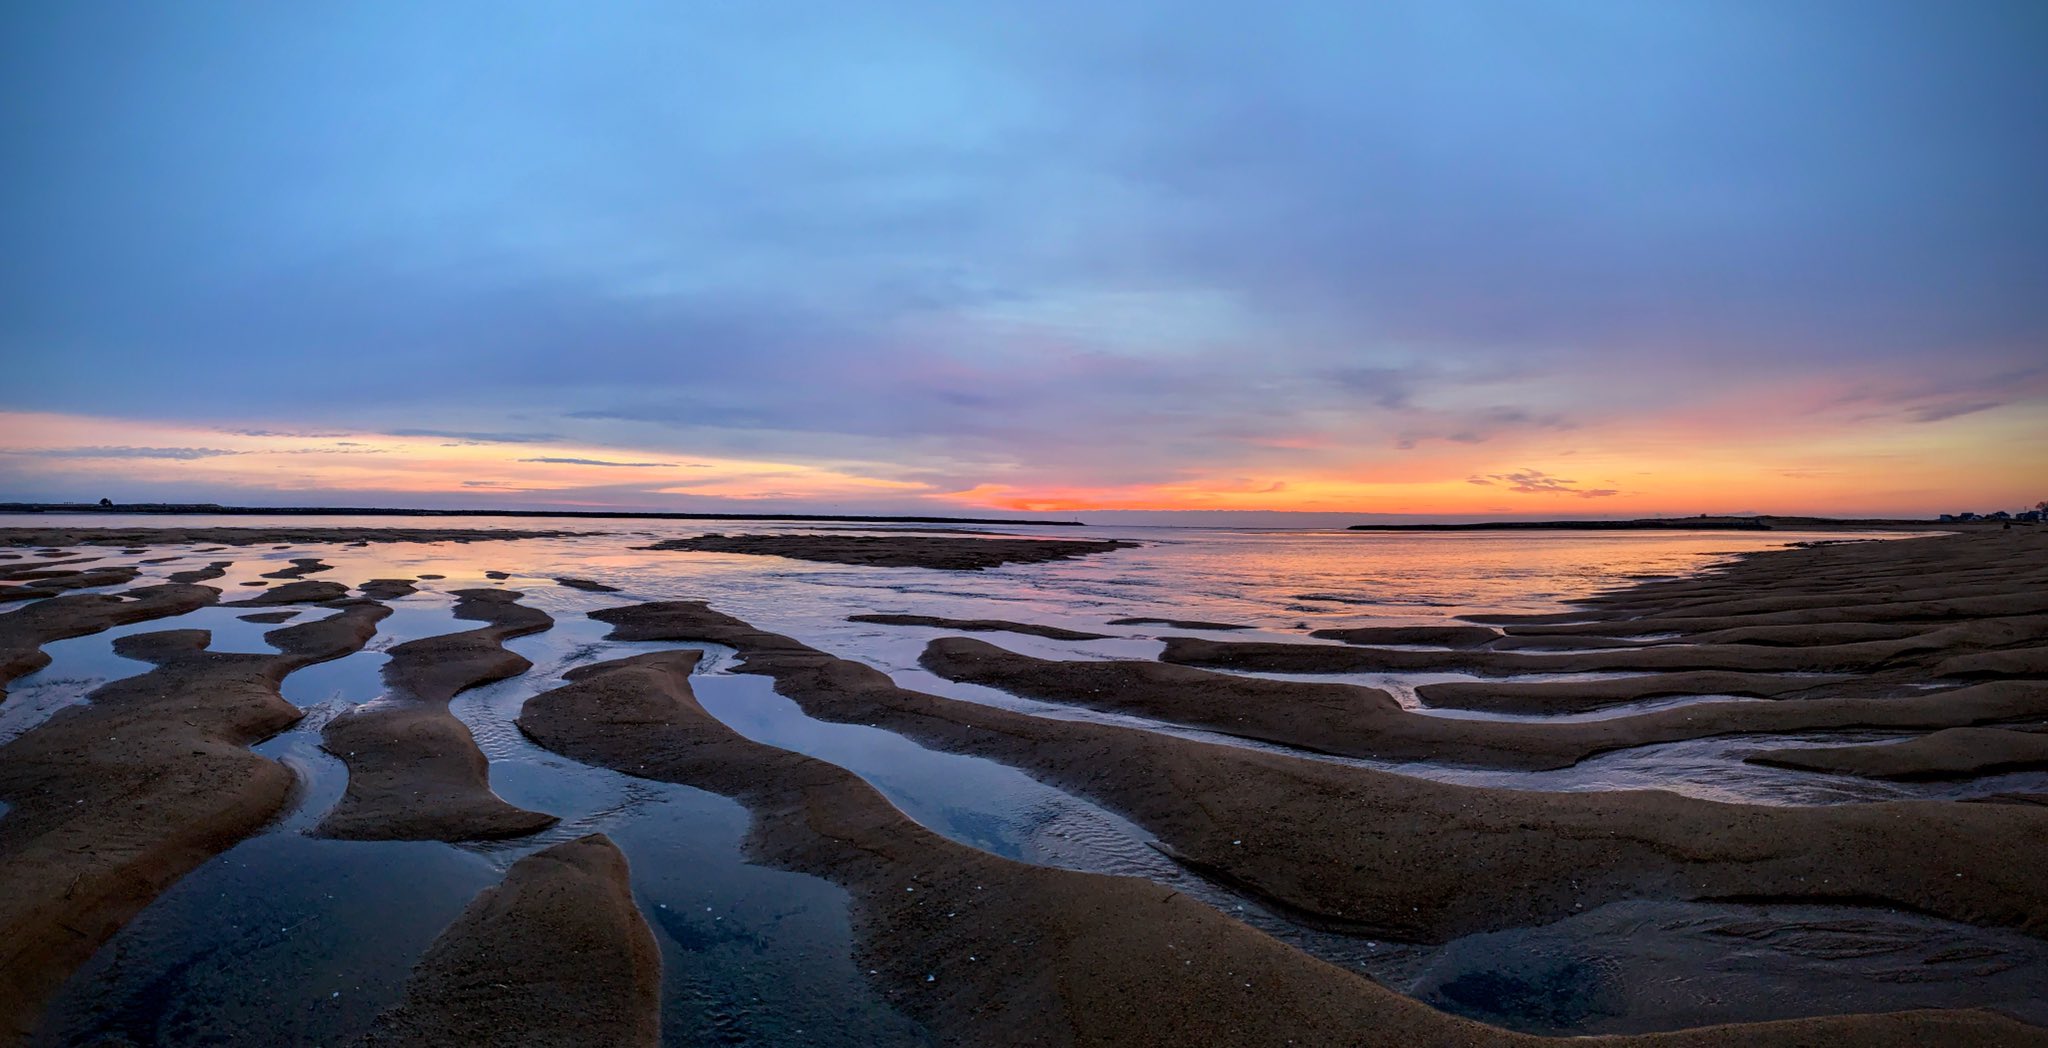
(287, 938)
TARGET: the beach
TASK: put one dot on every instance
(352, 780)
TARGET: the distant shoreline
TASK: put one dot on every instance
(1762, 523)
(205, 509)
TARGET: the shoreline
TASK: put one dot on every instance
(1331, 847)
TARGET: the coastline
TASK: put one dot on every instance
(1335, 848)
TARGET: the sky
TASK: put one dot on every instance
(1116, 261)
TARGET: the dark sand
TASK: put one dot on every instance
(41, 569)
(1352, 721)
(898, 551)
(25, 630)
(979, 626)
(211, 571)
(414, 771)
(1180, 624)
(304, 591)
(1439, 636)
(1578, 696)
(161, 760)
(269, 617)
(387, 589)
(1423, 861)
(300, 568)
(117, 798)
(986, 951)
(49, 582)
(586, 585)
(557, 955)
(1957, 753)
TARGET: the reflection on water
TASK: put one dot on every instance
(1616, 969)
(286, 938)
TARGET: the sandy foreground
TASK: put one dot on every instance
(1942, 639)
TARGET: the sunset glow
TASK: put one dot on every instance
(1521, 260)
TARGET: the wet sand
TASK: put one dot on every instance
(1179, 624)
(299, 568)
(1956, 753)
(414, 771)
(1421, 861)
(1353, 721)
(116, 799)
(1054, 956)
(988, 951)
(556, 955)
(898, 551)
(25, 630)
(979, 626)
(304, 591)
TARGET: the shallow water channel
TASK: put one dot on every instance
(287, 938)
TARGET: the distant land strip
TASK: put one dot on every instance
(1760, 523)
(338, 511)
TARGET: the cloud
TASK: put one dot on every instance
(303, 434)
(1537, 482)
(125, 452)
(469, 436)
(601, 462)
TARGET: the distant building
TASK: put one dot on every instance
(1948, 518)
(2029, 516)
(1966, 516)
(1998, 515)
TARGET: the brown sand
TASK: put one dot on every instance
(1441, 636)
(1180, 624)
(979, 626)
(305, 591)
(117, 798)
(387, 589)
(986, 951)
(898, 551)
(557, 955)
(1958, 753)
(1577, 696)
(414, 770)
(586, 585)
(1352, 721)
(41, 569)
(1424, 861)
(25, 630)
(212, 571)
(34, 585)
(300, 568)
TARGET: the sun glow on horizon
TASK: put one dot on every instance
(1960, 463)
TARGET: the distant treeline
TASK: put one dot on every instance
(348, 511)
(1758, 523)
(1578, 525)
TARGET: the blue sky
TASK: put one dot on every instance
(1095, 253)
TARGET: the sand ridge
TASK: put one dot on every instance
(414, 770)
(987, 951)
(117, 798)
(555, 955)
(1424, 861)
